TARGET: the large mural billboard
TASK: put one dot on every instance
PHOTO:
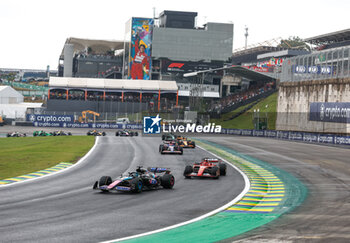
(140, 62)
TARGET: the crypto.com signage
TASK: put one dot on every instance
(330, 112)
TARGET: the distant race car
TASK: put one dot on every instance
(41, 134)
(185, 143)
(170, 147)
(61, 133)
(168, 137)
(16, 134)
(138, 181)
(126, 133)
(95, 133)
(212, 168)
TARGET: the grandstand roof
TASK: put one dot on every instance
(248, 73)
(97, 46)
(257, 49)
(112, 84)
(338, 36)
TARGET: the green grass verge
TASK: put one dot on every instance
(267, 107)
(20, 156)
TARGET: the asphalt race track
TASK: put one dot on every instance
(325, 170)
(64, 208)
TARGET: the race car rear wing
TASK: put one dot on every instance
(158, 170)
(211, 160)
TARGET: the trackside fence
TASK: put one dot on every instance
(293, 136)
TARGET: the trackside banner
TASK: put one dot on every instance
(68, 122)
(330, 112)
(294, 136)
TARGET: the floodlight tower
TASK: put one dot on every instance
(246, 37)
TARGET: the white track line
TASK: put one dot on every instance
(245, 190)
(60, 171)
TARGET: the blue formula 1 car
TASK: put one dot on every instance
(138, 181)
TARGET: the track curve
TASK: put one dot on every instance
(324, 170)
(64, 208)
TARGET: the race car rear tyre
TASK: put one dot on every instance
(182, 151)
(222, 167)
(137, 185)
(117, 133)
(167, 181)
(136, 133)
(213, 172)
(188, 170)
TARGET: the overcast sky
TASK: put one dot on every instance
(33, 32)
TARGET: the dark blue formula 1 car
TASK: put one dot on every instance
(138, 181)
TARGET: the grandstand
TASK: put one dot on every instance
(106, 95)
(91, 58)
(330, 40)
(312, 85)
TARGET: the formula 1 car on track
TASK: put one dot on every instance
(126, 133)
(185, 143)
(15, 134)
(206, 168)
(41, 134)
(138, 181)
(168, 137)
(170, 147)
(95, 133)
(61, 133)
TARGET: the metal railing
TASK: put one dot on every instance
(327, 64)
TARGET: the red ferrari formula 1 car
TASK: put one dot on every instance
(213, 168)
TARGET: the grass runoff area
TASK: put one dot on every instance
(267, 107)
(20, 156)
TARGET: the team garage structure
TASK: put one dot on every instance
(111, 95)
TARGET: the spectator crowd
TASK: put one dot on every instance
(239, 97)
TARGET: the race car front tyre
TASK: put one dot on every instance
(136, 133)
(103, 134)
(167, 181)
(188, 170)
(137, 185)
(105, 181)
(194, 145)
(222, 167)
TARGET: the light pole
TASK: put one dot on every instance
(198, 89)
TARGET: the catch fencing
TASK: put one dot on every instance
(320, 65)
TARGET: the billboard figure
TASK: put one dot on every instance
(140, 63)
